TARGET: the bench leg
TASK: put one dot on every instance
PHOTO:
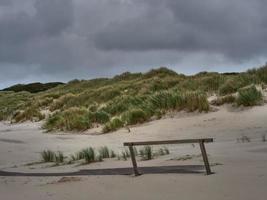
(205, 157)
(135, 169)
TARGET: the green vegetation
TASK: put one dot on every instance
(31, 113)
(90, 155)
(146, 153)
(134, 116)
(71, 119)
(129, 98)
(48, 156)
(51, 156)
(59, 157)
(32, 87)
(113, 125)
(249, 96)
(11, 103)
(104, 152)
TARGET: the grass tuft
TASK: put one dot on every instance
(113, 125)
(48, 156)
(89, 155)
(59, 157)
(104, 152)
(134, 116)
(249, 96)
(146, 153)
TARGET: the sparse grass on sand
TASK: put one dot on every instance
(48, 156)
(90, 155)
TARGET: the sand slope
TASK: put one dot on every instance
(240, 170)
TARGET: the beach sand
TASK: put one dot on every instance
(240, 169)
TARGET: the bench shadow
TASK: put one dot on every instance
(184, 169)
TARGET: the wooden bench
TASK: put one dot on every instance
(186, 141)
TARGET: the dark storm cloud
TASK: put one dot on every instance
(22, 30)
(236, 29)
(45, 40)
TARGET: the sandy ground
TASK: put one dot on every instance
(240, 168)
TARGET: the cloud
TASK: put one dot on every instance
(235, 29)
(44, 40)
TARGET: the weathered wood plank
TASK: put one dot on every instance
(185, 141)
(201, 142)
(135, 169)
(205, 157)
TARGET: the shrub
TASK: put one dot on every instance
(48, 156)
(70, 119)
(166, 100)
(99, 117)
(113, 125)
(134, 116)
(230, 86)
(53, 122)
(196, 101)
(31, 113)
(61, 101)
(44, 101)
(249, 96)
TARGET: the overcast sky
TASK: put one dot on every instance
(59, 40)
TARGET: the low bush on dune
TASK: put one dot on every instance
(44, 102)
(165, 100)
(12, 102)
(68, 120)
(54, 122)
(176, 100)
(113, 125)
(196, 101)
(61, 101)
(134, 116)
(30, 113)
(100, 117)
(233, 84)
(121, 104)
(249, 96)
(75, 118)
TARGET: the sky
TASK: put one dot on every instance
(61, 40)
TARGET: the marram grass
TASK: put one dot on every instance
(129, 98)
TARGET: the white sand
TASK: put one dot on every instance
(242, 175)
